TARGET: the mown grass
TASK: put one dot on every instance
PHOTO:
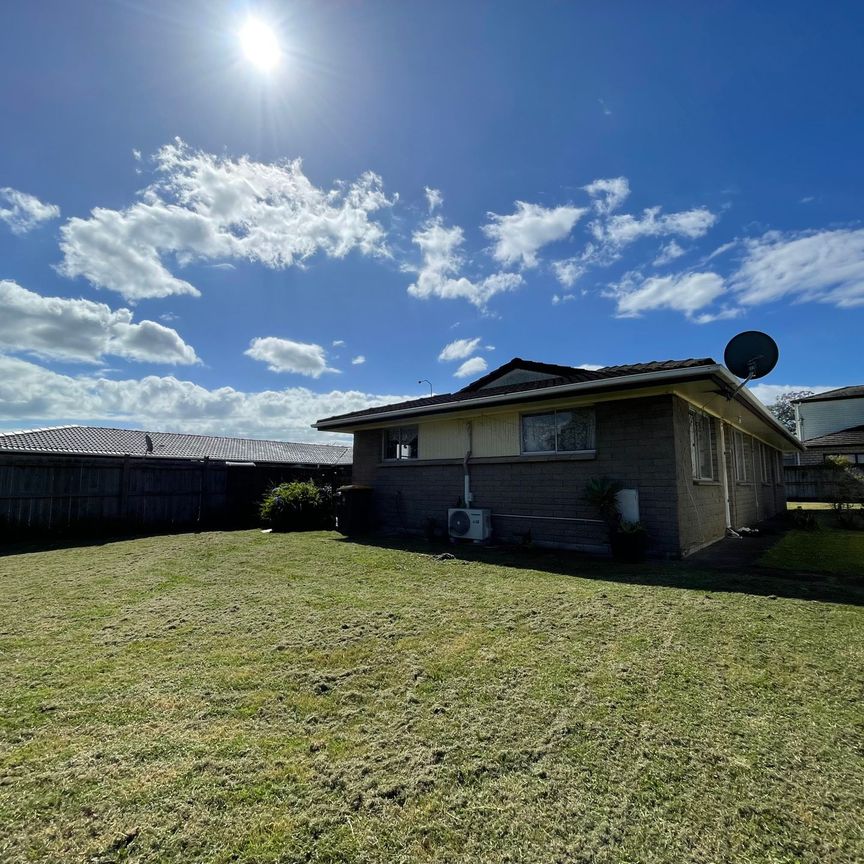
(262, 698)
(828, 550)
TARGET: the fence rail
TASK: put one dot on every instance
(50, 493)
(815, 483)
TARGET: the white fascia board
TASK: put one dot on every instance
(640, 379)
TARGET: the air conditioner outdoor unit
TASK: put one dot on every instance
(466, 524)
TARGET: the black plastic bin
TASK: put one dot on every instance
(354, 509)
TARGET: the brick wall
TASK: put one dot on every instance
(702, 511)
(635, 445)
(701, 505)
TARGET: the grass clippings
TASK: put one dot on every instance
(260, 698)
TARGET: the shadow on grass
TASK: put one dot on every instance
(753, 579)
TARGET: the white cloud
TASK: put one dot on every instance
(204, 207)
(471, 367)
(459, 349)
(24, 212)
(82, 331)
(568, 271)
(438, 275)
(608, 194)
(684, 292)
(767, 393)
(284, 355)
(434, 199)
(622, 229)
(562, 298)
(823, 266)
(359, 360)
(33, 395)
(668, 253)
(724, 314)
(338, 343)
(520, 235)
(591, 367)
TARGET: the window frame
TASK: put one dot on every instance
(385, 438)
(741, 460)
(592, 433)
(699, 421)
(764, 472)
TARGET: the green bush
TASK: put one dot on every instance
(298, 506)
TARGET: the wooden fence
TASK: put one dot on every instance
(51, 493)
(815, 483)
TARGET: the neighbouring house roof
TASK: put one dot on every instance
(855, 392)
(527, 380)
(104, 441)
(852, 437)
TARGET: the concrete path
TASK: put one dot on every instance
(744, 554)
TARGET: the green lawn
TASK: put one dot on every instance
(828, 550)
(259, 698)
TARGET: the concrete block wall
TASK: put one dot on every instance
(634, 444)
(701, 505)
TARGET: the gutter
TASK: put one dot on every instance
(622, 383)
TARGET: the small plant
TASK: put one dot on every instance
(602, 494)
(848, 488)
(803, 520)
(297, 506)
(627, 540)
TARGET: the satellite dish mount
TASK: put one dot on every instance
(750, 355)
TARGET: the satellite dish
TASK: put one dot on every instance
(751, 355)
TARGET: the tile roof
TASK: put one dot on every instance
(562, 375)
(840, 393)
(852, 437)
(103, 441)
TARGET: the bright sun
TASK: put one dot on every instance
(260, 44)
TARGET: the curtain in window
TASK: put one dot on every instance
(538, 433)
(575, 430)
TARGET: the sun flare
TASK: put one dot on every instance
(260, 44)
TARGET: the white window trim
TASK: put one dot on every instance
(590, 450)
(695, 456)
(741, 458)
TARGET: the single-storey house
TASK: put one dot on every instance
(831, 424)
(699, 454)
(77, 476)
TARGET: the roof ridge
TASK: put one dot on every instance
(7, 433)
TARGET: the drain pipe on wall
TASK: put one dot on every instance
(725, 473)
(467, 490)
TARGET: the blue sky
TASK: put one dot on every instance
(189, 242)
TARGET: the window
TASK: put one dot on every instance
(400, 443)
(743, 457)
(558, 431)
(702, 445)
(765, 454)
(851, 458)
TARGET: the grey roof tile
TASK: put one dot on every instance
(104, 441)
(563, 375)
(840, 393)
(851, 437)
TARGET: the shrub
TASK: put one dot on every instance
(803, 520)
(297, 506)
